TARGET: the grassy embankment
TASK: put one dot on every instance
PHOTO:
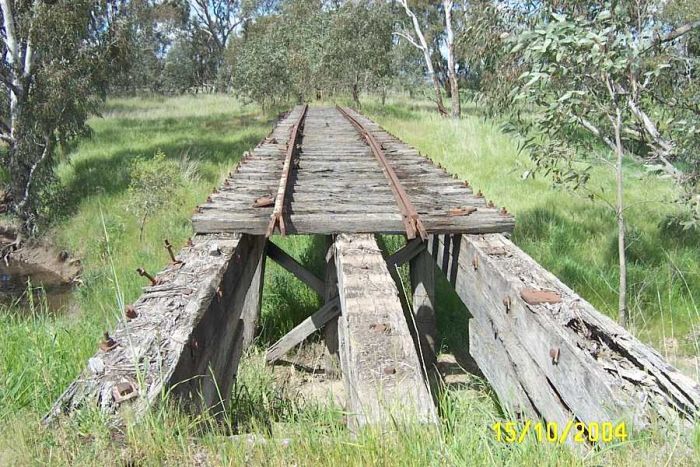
(40, 354)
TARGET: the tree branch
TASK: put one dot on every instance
(405, 36)
(27, 188)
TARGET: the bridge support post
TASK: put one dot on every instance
(381, 369)
(546, 351)
(422, 271)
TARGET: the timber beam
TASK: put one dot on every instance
(547, 352)
(381, 369)
(301, 332)
(183, 336)
(279, 256)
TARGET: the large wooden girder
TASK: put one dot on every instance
(547, 352)
(184, 336)
(381, 368)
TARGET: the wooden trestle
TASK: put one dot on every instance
(546, 352)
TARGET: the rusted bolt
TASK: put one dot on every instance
(554, 355)
(479, 194)
(107, 343)
(124, 391)
(216, 190)
(466, 183)
(490, 204)
(503, 211)
(169, 247)
(143, 273)
(507, 302)
(475, 262)
(389, 370)
(130, 312)
(226, 182)
(209, 199)
(274, 140)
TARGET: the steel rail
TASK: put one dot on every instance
(277, 217)
(412, 222)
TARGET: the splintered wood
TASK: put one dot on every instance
(381, 369)
(546, 351)
(185, 335)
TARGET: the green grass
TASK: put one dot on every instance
(41, 353)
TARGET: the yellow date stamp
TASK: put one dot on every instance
(553, 432)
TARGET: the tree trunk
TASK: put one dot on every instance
(356, 94)
(622, 313)
(451, 71)
(423, 46)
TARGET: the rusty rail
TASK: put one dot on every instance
(411, 220)
(277, 217)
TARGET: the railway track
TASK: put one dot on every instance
(339, 172)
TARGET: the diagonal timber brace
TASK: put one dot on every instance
(281, 257)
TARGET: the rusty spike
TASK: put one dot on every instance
(169, 247)
(130, 312)
(108, 343)
(143, 273)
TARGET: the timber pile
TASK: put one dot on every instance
(170, 331)
(547, 352)
(381, 369)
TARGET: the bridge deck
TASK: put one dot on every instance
(338, 186)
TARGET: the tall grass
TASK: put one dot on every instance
(41, 353)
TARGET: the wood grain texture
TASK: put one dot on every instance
(601, 371)
(337, 186)
(187, 328)
(381, 369)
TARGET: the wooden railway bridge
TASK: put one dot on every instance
(546, 352)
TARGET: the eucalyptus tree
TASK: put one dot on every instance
(596, 71)
(53, 75)
(360, 39)
(417, 39)
(447, 6)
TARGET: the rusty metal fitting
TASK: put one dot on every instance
(124, 391)
(466, 183)
(108, 343)
(143, 273)
(503, 211)
(130, 312)
(490, 204)
(479, 194)
(169, 247)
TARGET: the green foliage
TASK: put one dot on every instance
(308, 51)
(153, 186)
